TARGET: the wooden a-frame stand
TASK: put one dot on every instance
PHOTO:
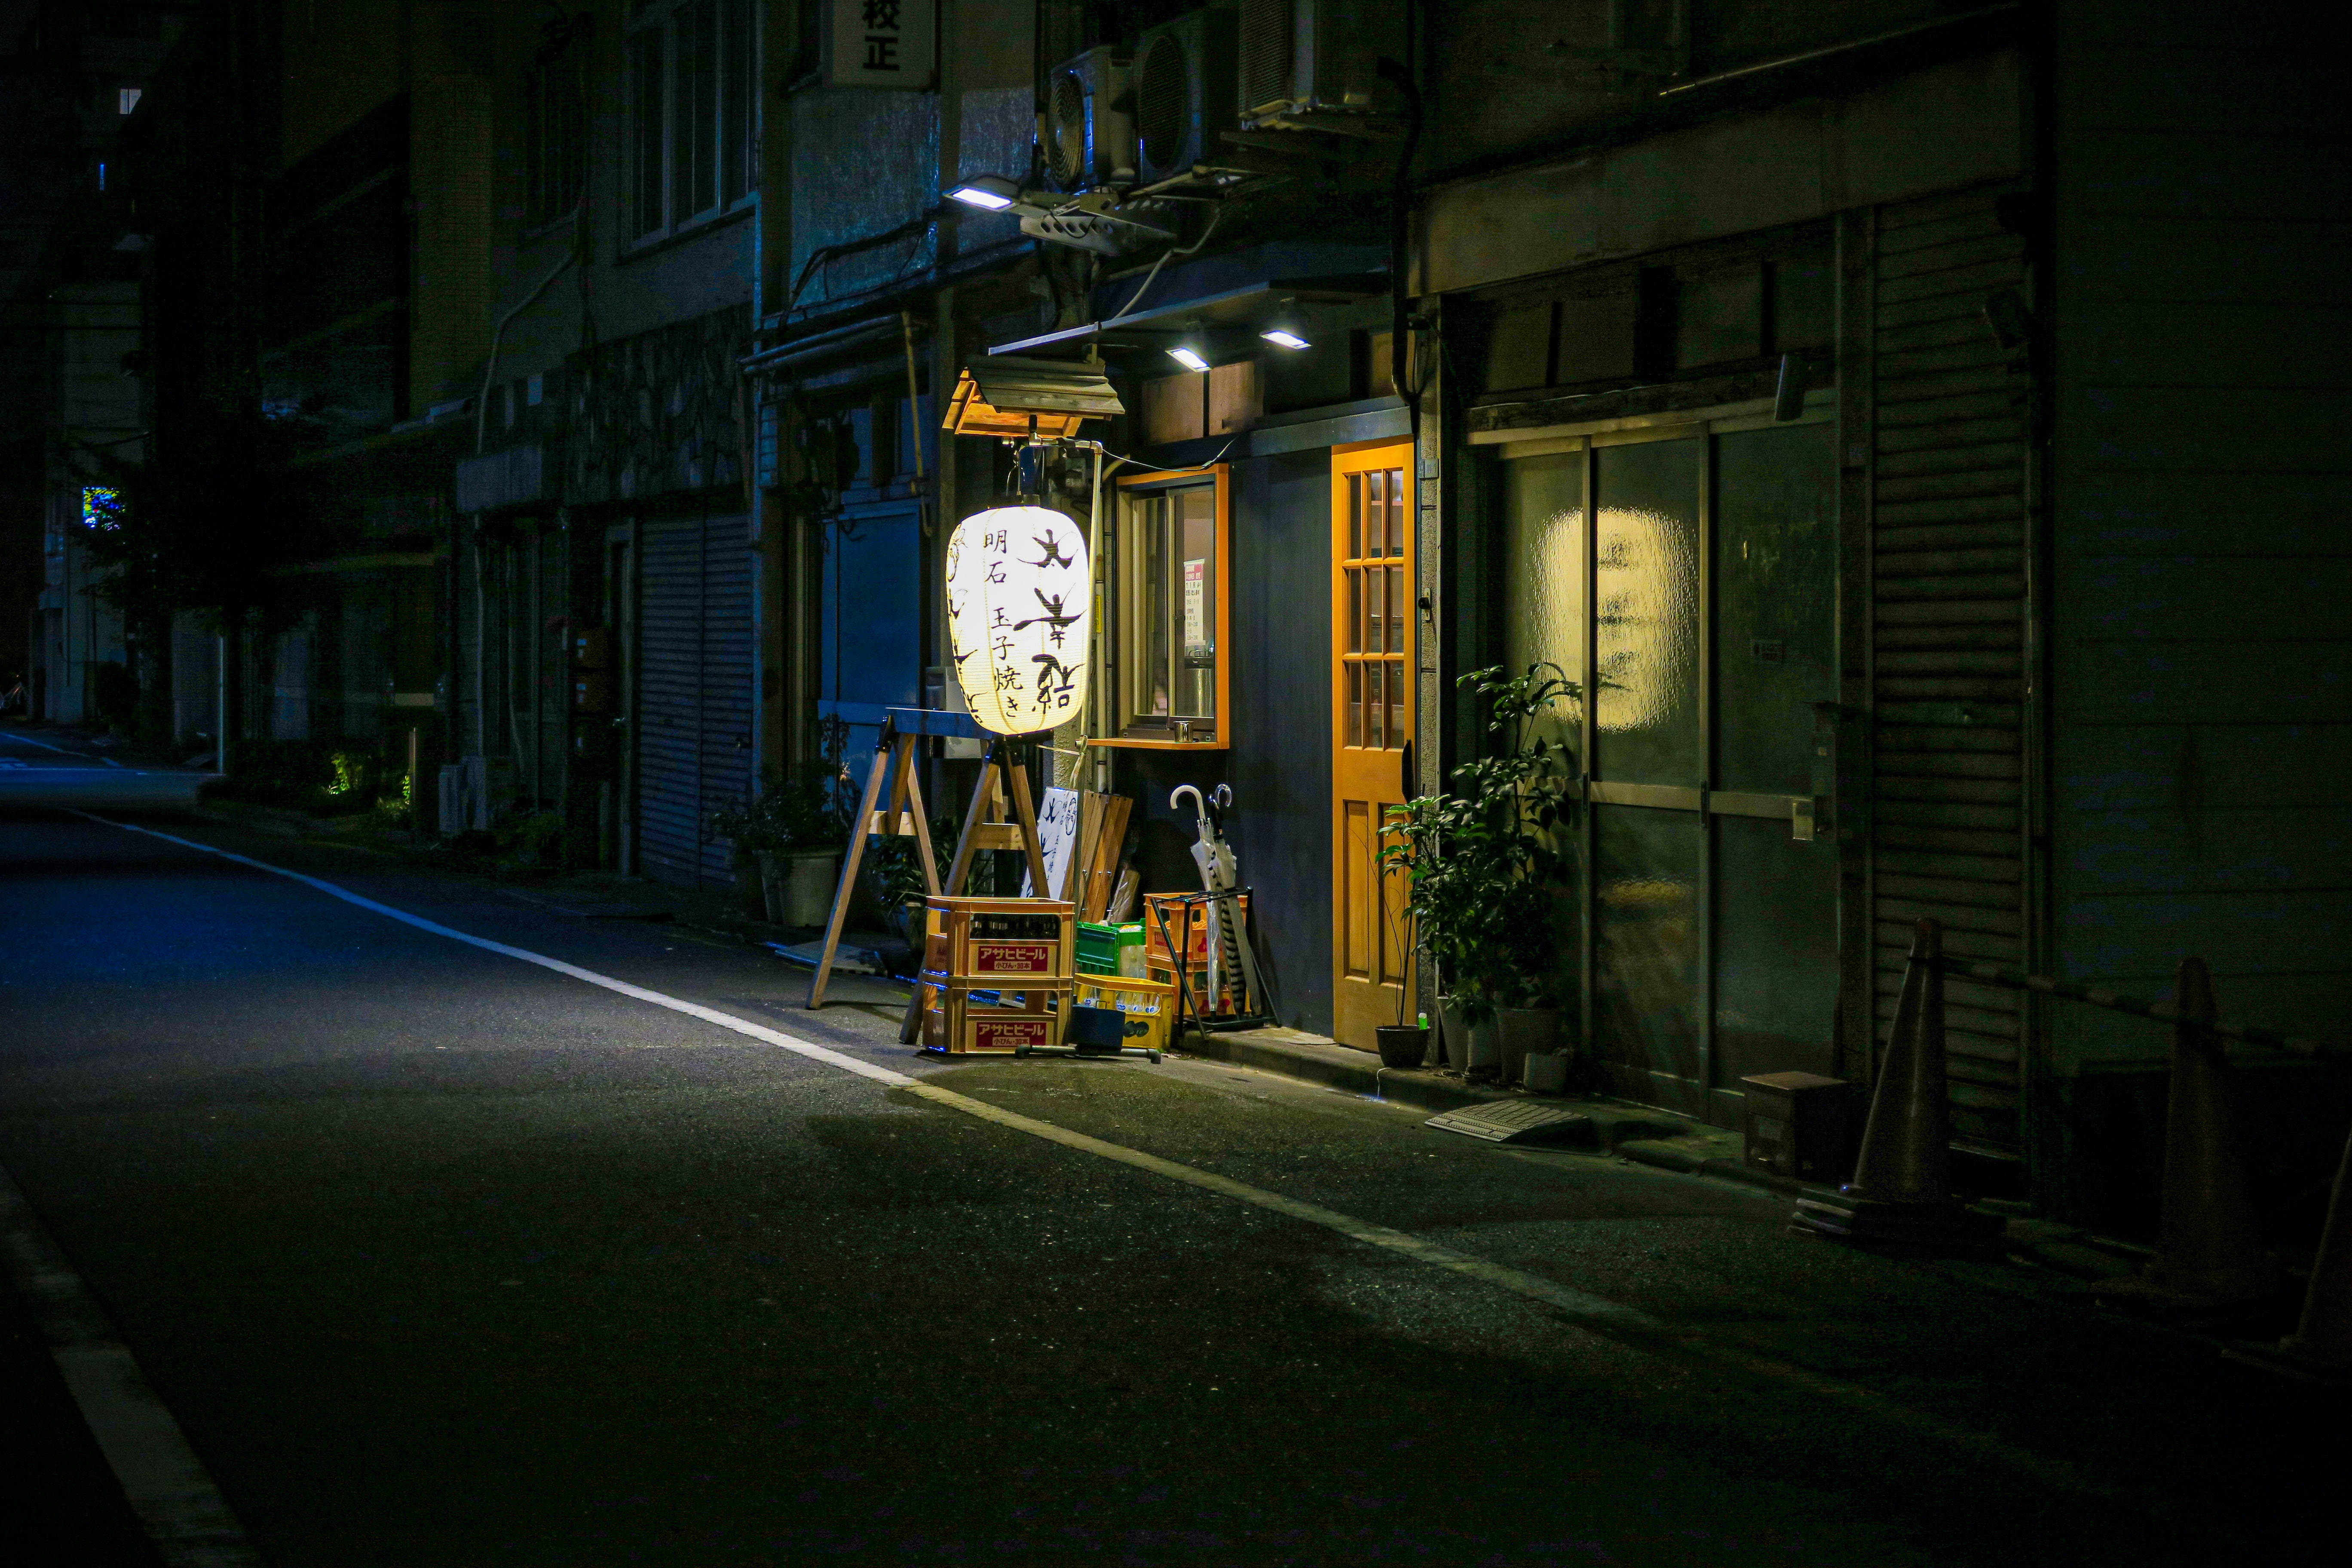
(985, 827)
(894, 754)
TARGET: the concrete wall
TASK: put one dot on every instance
(1940, 127)
(2203, 661)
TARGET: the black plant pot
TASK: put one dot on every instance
(1401, 1044)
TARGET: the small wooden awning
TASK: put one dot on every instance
(1013, 398)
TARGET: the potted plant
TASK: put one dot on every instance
(793, 834)
(1484, 861)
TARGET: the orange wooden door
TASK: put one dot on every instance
(1372, 719)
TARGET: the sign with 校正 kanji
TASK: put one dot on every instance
(1018, 594)
(884, 43)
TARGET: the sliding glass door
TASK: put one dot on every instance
(1684, 579)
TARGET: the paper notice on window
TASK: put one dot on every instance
(1196, 610)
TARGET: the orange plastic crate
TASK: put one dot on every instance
(955, 1026)
(1001, 942)
(1172, 906)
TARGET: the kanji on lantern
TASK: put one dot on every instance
(1018, 594)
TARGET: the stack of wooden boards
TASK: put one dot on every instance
(997, 973)
(1084, 837)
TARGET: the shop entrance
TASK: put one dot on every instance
(1371, 723)
(1688, 576)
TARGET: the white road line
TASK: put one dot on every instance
(167, 1485)
(13, 735)
(1597, 1314)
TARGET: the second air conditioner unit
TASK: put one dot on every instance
(1088, 129)
(1185, 91)
(1304, 60)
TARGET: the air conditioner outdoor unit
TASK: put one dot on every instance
(1185, 90)
(1089, 129)
(464, 797)
(1302, 60)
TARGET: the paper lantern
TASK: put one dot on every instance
(1018, 591)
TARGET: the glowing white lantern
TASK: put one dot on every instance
(1019, 591)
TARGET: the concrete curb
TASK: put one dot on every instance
(1334, 1065)
(1665, 1157)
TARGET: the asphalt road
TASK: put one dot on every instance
(439, 1256)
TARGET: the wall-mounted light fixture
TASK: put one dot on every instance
(1192, 349)
(1288, 329)
(989, 192)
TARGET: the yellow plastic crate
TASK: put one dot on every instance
(1146, 1002)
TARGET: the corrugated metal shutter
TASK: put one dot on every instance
(669, 701)
(1950, 631)
(726, 681)
(694, 703)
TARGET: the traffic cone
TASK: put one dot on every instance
(2206, 1254)
(2320, 1349)
(2323, 1339)
(1902, 1186)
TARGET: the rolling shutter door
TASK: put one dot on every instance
(1949, 578)
(726, 681)
(669, 701)
(694, 697)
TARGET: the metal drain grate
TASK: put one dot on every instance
(1517, 1122)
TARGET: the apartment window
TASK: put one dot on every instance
(555, 126)
(693, 83)
(1167, 638)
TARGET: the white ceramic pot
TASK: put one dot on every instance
(809, 878)
(1524, 1032)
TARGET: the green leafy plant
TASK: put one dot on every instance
(532, 843)
(1483, 858)
(893, 866)
(805, 809)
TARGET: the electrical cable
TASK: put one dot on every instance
(1154, 468)
(1141, 289)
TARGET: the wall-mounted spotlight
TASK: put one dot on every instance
(1187, 351)
(1288, 329)
(990, 193)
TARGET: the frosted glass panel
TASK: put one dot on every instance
(1776, 950)
(1645, 919)
(1543, 574)
(1775, 603)
(1646, 602)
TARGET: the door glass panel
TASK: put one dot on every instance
(1645, 603)
(1355, 611)
(1197, 589)
(1372, 736)
(1776, 950)
(1396, 511)
(1154, 595)
(1355, 894)
(1395, 576)
(1775, 585)
(1355, 705)
(1355, 516)
(1395, 737)
(1543, 555)
(1646, 938)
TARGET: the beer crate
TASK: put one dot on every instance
(1108, 949)
(1000, 941)
(1196, 976)
(1174, 908)
(1147, 1005)
(957, 1025)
